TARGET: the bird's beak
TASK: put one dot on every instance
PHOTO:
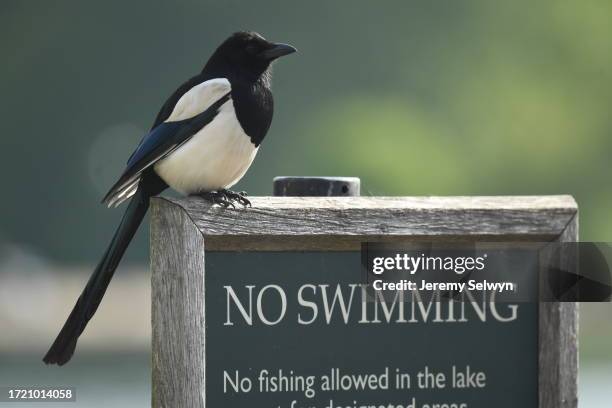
(276, 51)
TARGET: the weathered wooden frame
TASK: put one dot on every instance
(182, 228)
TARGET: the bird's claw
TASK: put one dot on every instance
(226, 198)
(239, 197)
(217, 197)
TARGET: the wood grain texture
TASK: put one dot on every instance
(342, 223)
(558, 345)
(180, 227)
(178, 313)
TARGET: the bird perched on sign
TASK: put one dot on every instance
(203, 141)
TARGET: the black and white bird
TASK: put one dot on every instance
(203, 141)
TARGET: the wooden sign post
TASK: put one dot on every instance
(258, 307)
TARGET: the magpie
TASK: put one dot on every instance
(202, 142)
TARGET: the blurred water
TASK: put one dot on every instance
(101, 380)
(594, 386)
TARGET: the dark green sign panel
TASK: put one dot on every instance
(297, 329)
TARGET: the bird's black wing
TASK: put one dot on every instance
(168, 106)
(161, 141)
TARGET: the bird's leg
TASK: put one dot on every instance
(226, 198)
(217, 197)
(237, 196)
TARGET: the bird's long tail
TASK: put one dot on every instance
(64, 345)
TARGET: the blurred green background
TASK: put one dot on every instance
(416, 98)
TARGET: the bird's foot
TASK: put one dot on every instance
(238, 196)
(226, 198)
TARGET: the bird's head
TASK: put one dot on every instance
(248, 53)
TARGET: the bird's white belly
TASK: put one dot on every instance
(214, 158)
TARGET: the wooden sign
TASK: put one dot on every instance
(264, 307)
